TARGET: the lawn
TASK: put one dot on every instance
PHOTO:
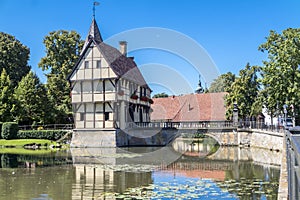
(21, 142)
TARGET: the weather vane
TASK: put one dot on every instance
(94, 5)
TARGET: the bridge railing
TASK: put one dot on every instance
(259, 125)
(293, 161)
(208, 125)
(47, 127)
(182, 125)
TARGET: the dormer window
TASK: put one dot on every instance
(86, 64)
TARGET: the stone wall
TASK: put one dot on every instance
(145, 137)
(121, 138)
(231, 138)
(254, 138)
(267, 140)
(93, 138)
(162, 137)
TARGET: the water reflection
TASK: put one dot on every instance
(35, 159)
(200, 147)
(94, 181)
(178, 171)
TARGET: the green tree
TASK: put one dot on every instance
(222, 83)
(13, 57)
(160, 95)
(34, 106)
(280, 74)
(59, 95)
(244, 92)
(62, 52)
(6, 100)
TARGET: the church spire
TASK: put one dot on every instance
(94, 32)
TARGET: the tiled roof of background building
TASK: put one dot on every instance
(191, 107)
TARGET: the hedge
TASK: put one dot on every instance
(1, 130)
(9, 130)
(41, 134)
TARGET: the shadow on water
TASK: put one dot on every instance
(186, 169)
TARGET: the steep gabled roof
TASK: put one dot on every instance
(122, 66)
(95, 33)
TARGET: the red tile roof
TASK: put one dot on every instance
(191, 107)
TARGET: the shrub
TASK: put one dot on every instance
(1, 130)
(9, 130)
(41, 134)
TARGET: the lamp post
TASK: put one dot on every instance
(285, 113)
(235, 114)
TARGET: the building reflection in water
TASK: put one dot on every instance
(97, 174)
(92, 181)
(92, 173)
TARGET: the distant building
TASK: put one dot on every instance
(190, 108)
(108, 90)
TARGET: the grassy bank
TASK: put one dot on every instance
(22, 151)
(20, 143)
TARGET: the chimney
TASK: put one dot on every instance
(123, 47)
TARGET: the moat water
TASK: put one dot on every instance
(188, 169)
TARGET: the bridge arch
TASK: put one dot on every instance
(194, 147)
(214, 136)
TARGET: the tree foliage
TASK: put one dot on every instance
(13, 57)
(222, 83)
(280, 74)
(34, 106)
(160, 95)
(59, 96)
(6, 98)
(244, 92)
(62, 52)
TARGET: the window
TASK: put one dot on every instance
(86, 64)
(98, 64)
(81, 116)
(141, 91)
(106, 116)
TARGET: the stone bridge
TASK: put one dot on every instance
(161, 134)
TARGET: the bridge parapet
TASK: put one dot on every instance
(183, 125)
(293, 161)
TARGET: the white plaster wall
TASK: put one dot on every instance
(110, 96)
(98, 97)
(87, 97)
(76, 98)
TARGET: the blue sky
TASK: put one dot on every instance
(229, 31)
